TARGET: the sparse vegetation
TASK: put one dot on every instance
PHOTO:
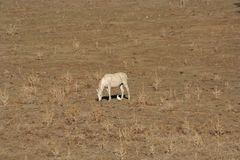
(181, 57)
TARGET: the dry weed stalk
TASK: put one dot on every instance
(76, 45)
(48, 117)
(172, 93)
(186, 127)
(198, 92)
(68, 78)
(58, 94)
(97, 44)
(56, 152)
(227, 85)
(4, 97)
(121, 152)
(137, 149)
(108, 51)
(170, 147)
(162, 100)
(150, 140)
(142, 97)
(156, 82)
(187, 90)
(124, 133)
(216, 92)
(197, 140)
(11, 30)
(125, 64)
(76, 85)
(218, 129)
(136, 127)
(152, 149)
(182, 3)
(33, 80)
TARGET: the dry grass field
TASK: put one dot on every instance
(182, 58)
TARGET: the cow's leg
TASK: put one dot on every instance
(122, 91)
(109, 93)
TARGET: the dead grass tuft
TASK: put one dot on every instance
(218, 129)
(33, 79)
(58, 95)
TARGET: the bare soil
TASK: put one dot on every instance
(181, 57)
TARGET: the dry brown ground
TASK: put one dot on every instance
(183, 68)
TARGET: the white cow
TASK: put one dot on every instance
(113, 80)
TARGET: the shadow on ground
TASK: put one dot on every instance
(112, 97)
